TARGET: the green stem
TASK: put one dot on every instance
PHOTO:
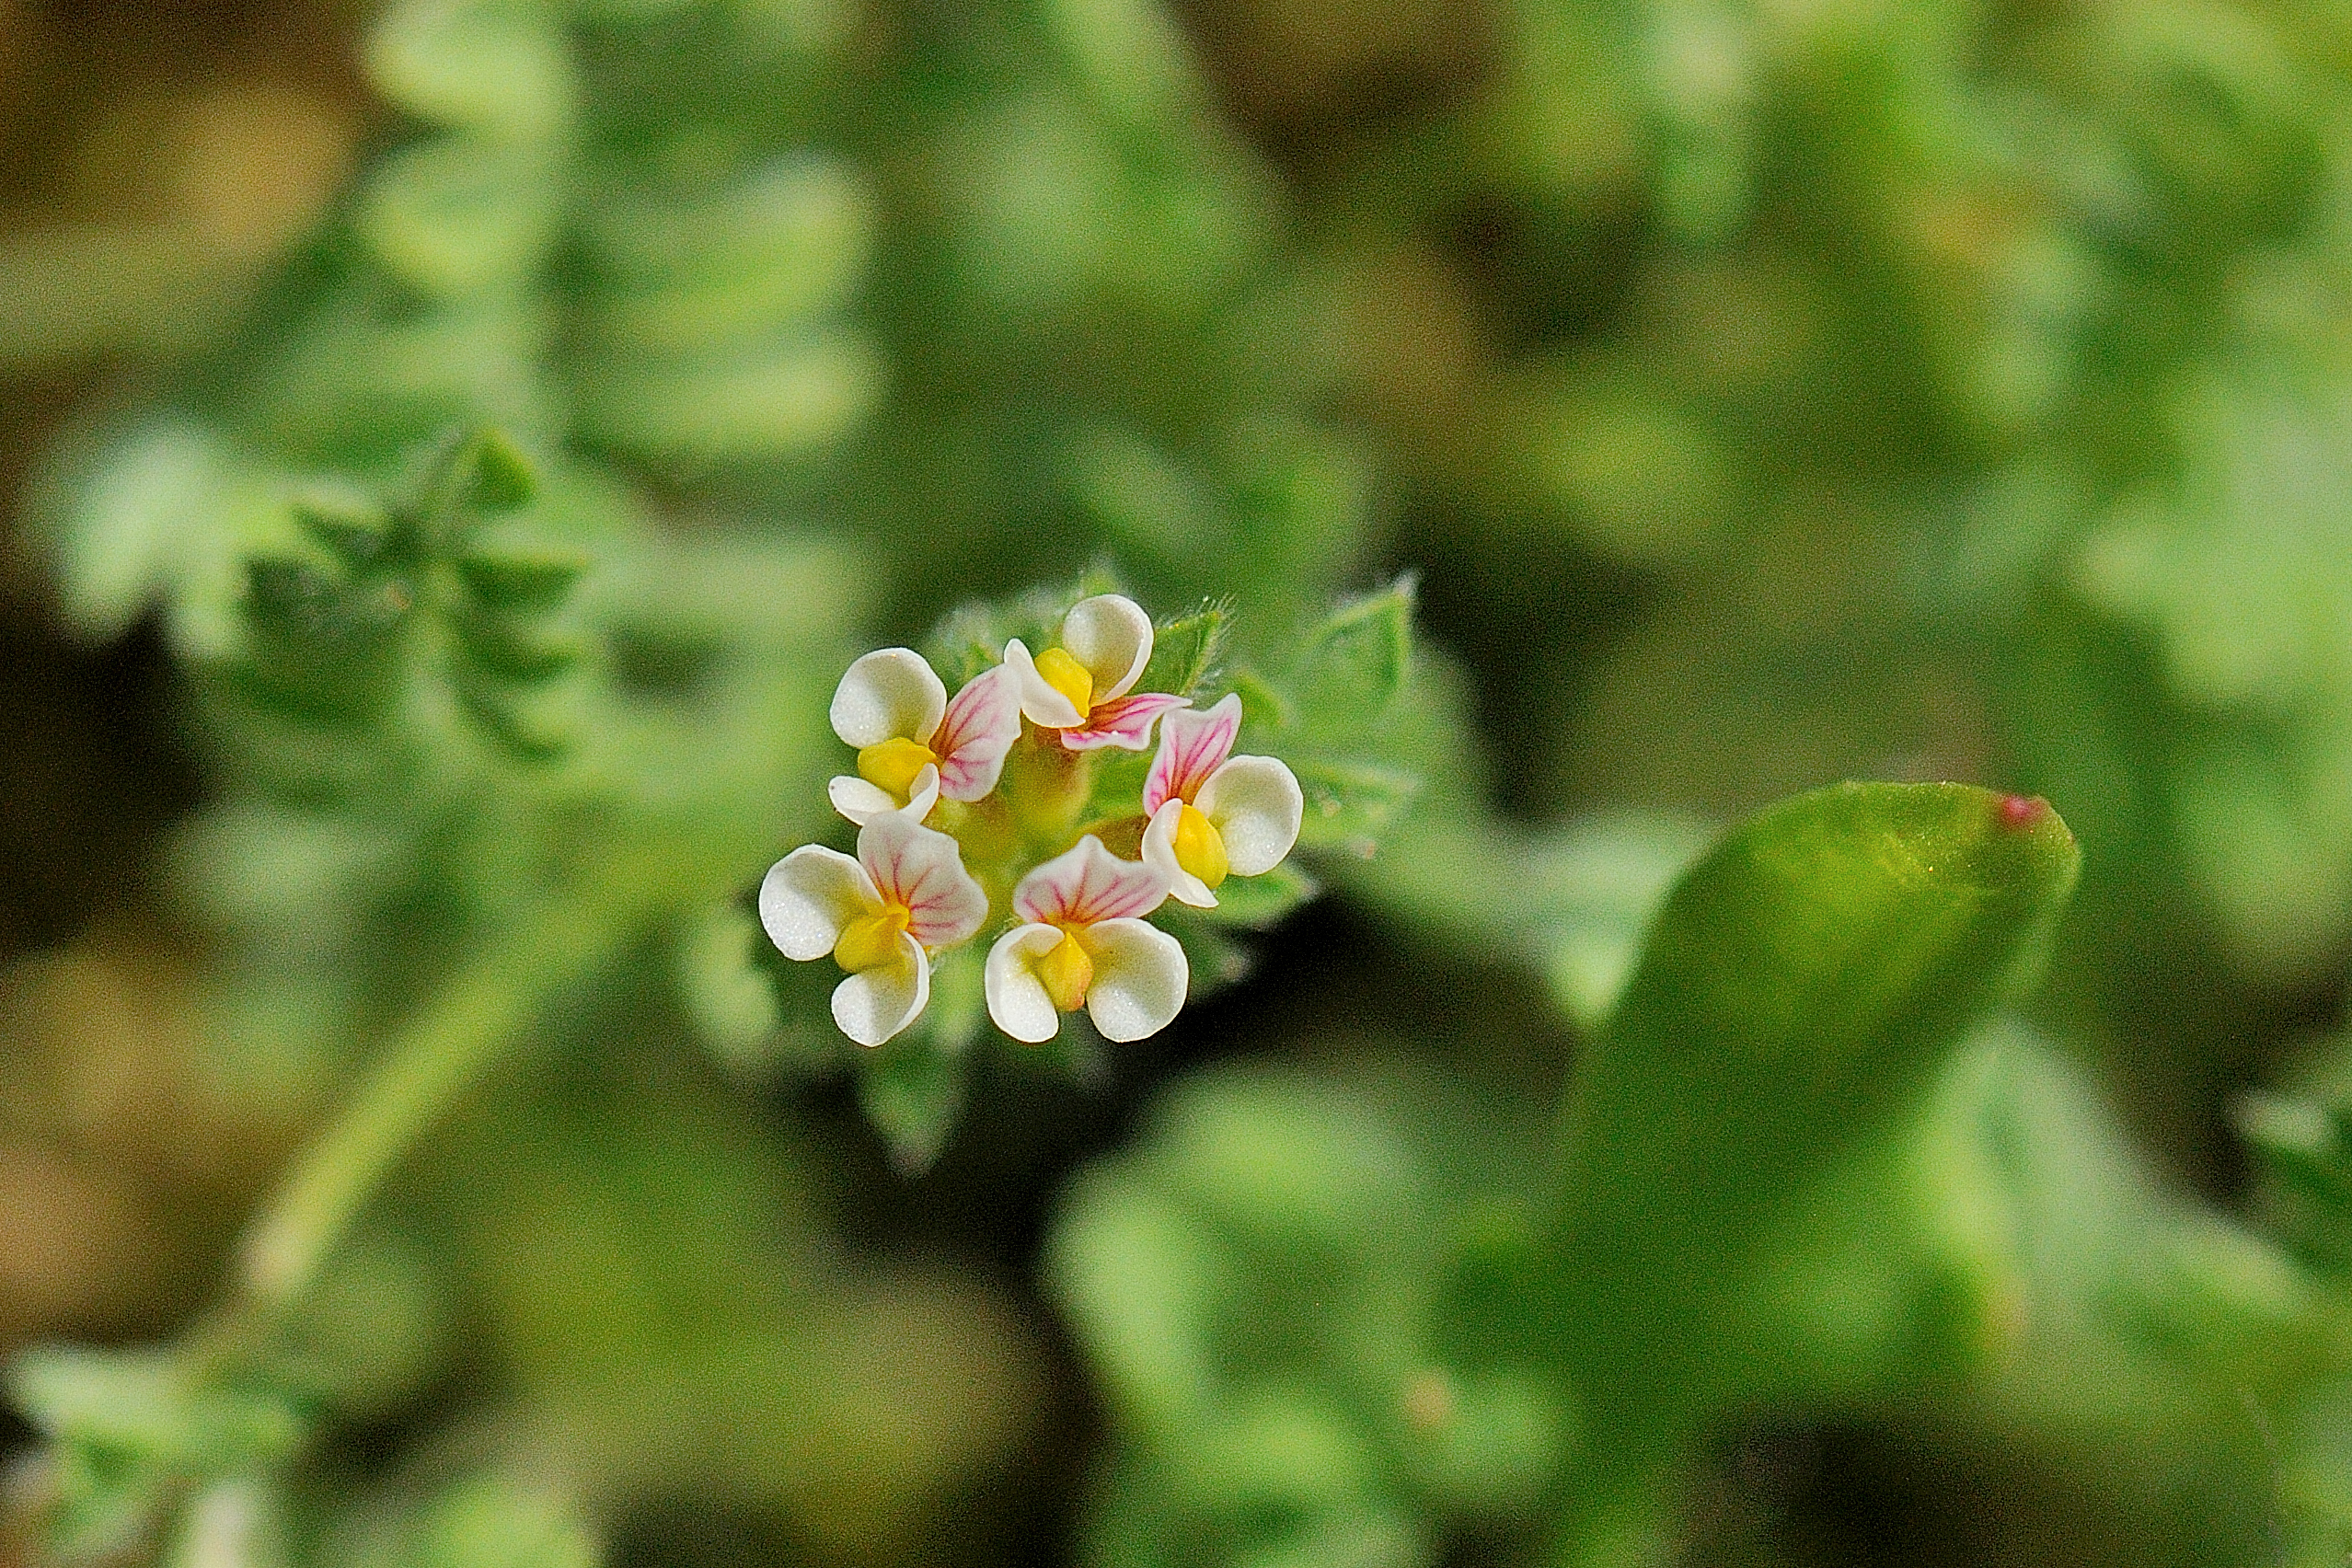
(436, 1058)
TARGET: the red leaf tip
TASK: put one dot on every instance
(2020, 811)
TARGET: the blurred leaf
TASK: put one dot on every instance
(497, 67)
(1801, 986)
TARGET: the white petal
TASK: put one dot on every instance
(1110, 636)
(922, 795)
(859, 800)
(1139, 978)
(1159, 854)
(1192, 746)
(1017, 998)
(809, 896)
(874, 1004)
(923, 871)
(890, 694)
(1086, 883)
(981, 726)
(1255, 802)
(1041, 704)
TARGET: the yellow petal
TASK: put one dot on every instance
(1065, 972)
(870, 941)
(893, 764)
(1070, 678)
(1200, 848)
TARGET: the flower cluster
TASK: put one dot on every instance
(971, 815)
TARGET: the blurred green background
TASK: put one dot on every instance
(1756, 394)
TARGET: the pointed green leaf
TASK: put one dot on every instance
(913, 1093)
(503, 478)
(1185, 651)
(526, 581)
(1355, 663)
(353, 528)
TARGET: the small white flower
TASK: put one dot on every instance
(914, 746)
(1214, 814)
(1083, 942)
(880, 915)
(1080, 687)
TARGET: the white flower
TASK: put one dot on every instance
(914, 746)
(1080, 687)
(880, 915)
(1083, 942)
(1214, 814)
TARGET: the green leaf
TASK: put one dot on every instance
(1185, 652)
(353, 528)
(453, 217)
(148, 1404)
(777, 402)
(118, 531)
(912, 1092)
(127, 1429)
(502, 478)
(492, 1522)
(526, 581)
(762, 257)
(1352, 666)
(726, 994)
(1350, 804)
(1799, 990)
(497, 67)
(508, 648)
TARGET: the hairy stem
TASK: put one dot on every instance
(440, 1054)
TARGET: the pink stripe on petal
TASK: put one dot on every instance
(980, 726)
(1086, 884)
(922, 872)
(1191, 745)
(1124, 723)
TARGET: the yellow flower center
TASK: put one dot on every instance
(1066, 971)
(1070, 678)
(871, 941)
(893, 764)
(1200, 848)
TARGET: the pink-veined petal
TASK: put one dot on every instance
(922, 871)
(809, 896)
(890, 694)
(1191, 745)
(1255, 804)
(981, 726)
(1140, 979)
(1018, 1000)
(1088, 883)
(875, 1004)
(1110, 636)
(1124, 721)
(1040, 703)
(1159, 854)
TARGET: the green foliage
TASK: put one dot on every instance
(129, 1432)
(1257, 1286)
(1768, 394)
